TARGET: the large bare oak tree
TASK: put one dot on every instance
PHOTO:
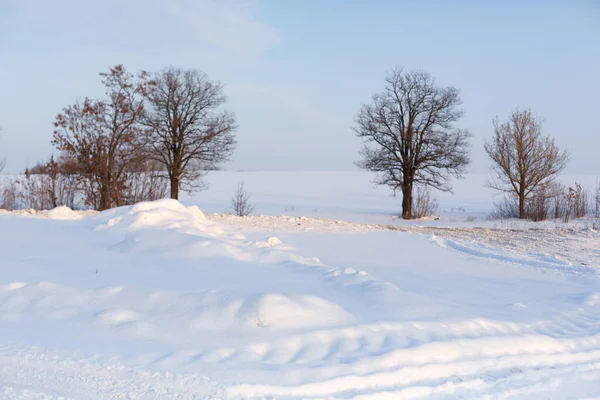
(409, 135)
(186, 133)
(523, 158)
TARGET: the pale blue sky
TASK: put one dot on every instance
(296, 72)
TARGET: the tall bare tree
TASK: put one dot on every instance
(409, 135)
(186, 132)
(101, 136)
(523, 158)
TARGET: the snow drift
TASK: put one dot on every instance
(156, 301)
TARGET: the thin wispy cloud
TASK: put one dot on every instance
(226, 24)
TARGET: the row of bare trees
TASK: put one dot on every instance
(152, 128)
(410, 139)
(147, 132)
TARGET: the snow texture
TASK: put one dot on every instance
(162, 301)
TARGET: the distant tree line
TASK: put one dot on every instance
(154, 134)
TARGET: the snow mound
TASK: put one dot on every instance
(269, 310)
(64, 212)
(272, 241)
(161, 204)
(164, 214)
(298, 311)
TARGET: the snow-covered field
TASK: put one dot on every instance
(337, 299)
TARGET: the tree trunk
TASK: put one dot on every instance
(522, 206)
(407, 202)
(174, 187)
(104, 198)
(53, 199)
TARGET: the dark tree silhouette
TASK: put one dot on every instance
(185, 132)
(523, 158)
(409, 135)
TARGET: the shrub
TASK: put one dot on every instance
(577, 200)
(424, 204)
(241, 202)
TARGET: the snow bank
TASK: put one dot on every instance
(58, 213)
(165, 213)
(166, 228)
(64, 212)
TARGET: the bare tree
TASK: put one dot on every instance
(409, 135)
(523, 158)
(240, 202)
(101, 136)
(186, 132)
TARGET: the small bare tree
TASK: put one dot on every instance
(240, 202)
(522, 157)
(409, 135)
(577, 199)
(185, 132)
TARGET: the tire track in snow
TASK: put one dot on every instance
(347, 345)
(434, 375)
(541, 261)
(471, 357)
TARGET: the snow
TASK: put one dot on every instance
(168, 300)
